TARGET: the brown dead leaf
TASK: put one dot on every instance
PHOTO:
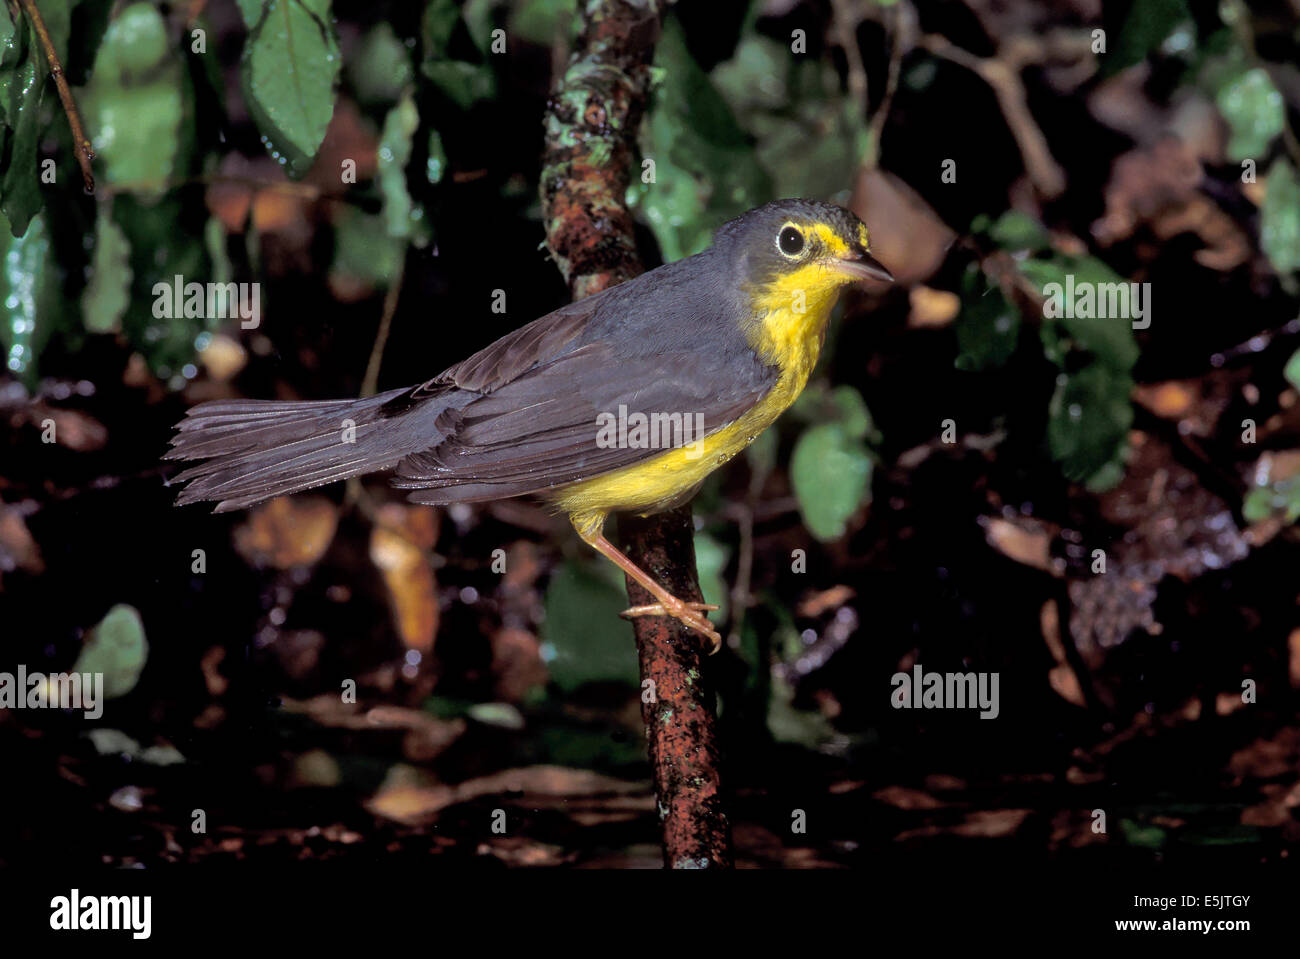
(17, 548)
(216, 683)
(223, 357)
(412, 796)
(1026, 541)
(399, 545)
(1293, 647)
(1159, 186)
(288, 532)
(906, 234)
(72, 429)
(517, 664)
(824, 600)
(1268, 758)
(1065, 684)
(931, 307)
(904, 797)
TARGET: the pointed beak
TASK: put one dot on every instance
(861, 265)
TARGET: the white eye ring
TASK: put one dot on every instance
(790, 241)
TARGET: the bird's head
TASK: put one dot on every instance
(802, 244)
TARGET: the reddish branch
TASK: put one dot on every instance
(591, 126)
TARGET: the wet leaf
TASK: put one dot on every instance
(22, 90)
(31, 297)
(394, 154)
(831, 474)
(117, 648)
(135, 102)
(290, 68)
(1088, 420)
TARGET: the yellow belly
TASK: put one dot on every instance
(789, 340)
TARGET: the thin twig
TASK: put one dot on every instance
(1003, 76)
(370, 383)
(897, 21)
(80, 142)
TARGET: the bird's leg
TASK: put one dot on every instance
(692, 614)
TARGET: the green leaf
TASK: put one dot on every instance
(1277, 498)
(541, 21)
(291, 65)
(809, 135)
(381, 67)
(134, 44)
(31, 296)
(1109, 338)
(436, 27)
(1254, 110)
(394, 154)
(364, 249)
(1148, 25)
(135, 102)
(251, 11)
(852, 411)
(22, 92)
(117, 648)
(136, 130)
(1292, 370)
(831, 474)
(710, 562)
(584, 640)
(107, 294)
(1279, 228)
(1015, 231)
(435, 167)
(162, 243)
(464, 84)
(1088, 419)
(705, 168)
(988, 326)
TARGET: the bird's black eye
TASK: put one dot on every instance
(790, 241)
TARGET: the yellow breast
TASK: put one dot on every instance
(788, 335)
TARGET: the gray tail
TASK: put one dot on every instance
(257, 449)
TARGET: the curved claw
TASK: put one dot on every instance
(691, 614)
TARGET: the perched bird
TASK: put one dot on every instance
(581, 407)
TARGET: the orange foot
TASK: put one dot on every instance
(692, 614)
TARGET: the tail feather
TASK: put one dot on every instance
(257, 449)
